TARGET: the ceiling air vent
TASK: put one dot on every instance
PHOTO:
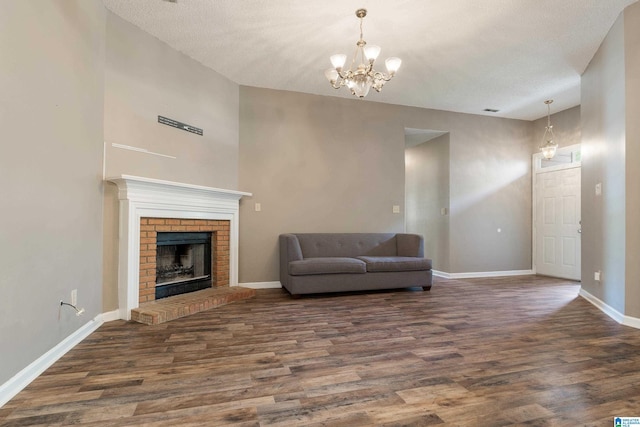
(491, 110)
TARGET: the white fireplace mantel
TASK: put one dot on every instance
(154, 198)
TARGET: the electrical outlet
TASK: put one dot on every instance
(396, 209)
(258, 207)
(74, 297)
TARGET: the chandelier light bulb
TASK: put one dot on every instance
(338, 60)
(331, 74)
(393, 65)
(371, 52)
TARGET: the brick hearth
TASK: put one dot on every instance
(166, 309)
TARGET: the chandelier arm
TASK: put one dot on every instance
(379, 75)
(345, 74)
(369, 70)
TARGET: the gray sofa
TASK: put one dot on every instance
(336, 262)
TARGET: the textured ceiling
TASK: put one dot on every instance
(458, 55)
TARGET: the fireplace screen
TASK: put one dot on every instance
(183, 263)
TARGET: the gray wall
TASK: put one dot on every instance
(603, 161)
(490, 189)
(51, 168)
(316, 164)
(566, 128)
(611, 154)
(632, 154)
(324, 164)
(427, 192)
(145, 78)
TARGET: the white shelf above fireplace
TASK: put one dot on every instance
(153, 198)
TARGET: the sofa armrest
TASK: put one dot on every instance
(289, 251)
(410, 245)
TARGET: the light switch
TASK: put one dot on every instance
(598, 189)
(443, 211)
(396, 208)
(258, 207)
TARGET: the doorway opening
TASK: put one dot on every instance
(427, 192)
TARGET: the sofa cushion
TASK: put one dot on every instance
(326, 265)
(316, 245)
(395, 263)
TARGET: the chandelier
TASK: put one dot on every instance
(548, 147)
(362, 78)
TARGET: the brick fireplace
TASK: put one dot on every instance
(149, 206)
(150, 227)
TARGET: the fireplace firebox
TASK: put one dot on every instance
(183, 263)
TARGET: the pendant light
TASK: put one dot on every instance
(548, 147)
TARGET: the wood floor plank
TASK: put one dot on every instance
(475, 352)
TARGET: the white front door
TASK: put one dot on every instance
(557, 223)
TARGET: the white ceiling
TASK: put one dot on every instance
(458, 55)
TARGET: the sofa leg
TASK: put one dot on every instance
(426, 288)
(295, 296)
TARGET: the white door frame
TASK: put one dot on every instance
(537, 160)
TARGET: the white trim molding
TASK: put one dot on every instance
(481, 274)
(261, 285)
(153, 198)
(442, 274)
(110, 316)
(19, 381)
(633, 322)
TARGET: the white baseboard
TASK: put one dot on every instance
(633, 322)
(442, 274)
(23, 378)
(261, 285)
(110, 316)
(480, 274)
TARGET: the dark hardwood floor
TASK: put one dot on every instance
(478, 352)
